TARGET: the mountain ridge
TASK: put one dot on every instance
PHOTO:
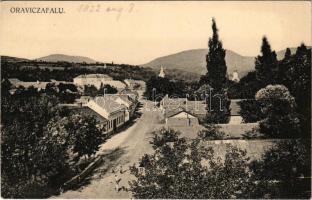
(66, 58)
(194, 60)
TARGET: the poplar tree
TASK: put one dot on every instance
(266, 64)
(216, 65)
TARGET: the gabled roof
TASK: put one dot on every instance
(109, 105)
(172, 113)
(123, 97)
(90, 112)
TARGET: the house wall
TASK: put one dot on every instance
(119, 117)
(182, 122)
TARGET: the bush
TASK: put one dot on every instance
(211, 132)
(278, 107)
(250, 110)
(284, 170)
(181, 169)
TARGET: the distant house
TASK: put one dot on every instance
(97, 80)
(181, 112)
(91, 79)
(114, 112)
(180, 117)
(16, 83)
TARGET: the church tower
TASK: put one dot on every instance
(235, 77)
(161, 73)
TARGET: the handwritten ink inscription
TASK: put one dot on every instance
(98, 8)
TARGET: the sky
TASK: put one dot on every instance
(137, 32)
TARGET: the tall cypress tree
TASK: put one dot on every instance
(216, 66)
(266, 64)
(283, 67)
(287, 53)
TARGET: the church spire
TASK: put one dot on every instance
(162, 72)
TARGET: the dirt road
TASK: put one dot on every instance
(123, 149)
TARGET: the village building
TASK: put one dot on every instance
(91, 79)
(98, 80)
(125, 100)
(16, 83)
(113, 112)
(182, 112)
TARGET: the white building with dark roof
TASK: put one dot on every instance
(114, 112)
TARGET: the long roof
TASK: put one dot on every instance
(195, 108)
(88, 111)
(109, 105)
(124, 97)
(94, 76)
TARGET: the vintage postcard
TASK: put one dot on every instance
(155, 99)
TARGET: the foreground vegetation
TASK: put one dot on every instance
(190, 170)
(42, 144)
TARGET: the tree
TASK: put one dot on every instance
(177, 169)
(284, 170)
(216, 65)
(108, 89)
(279, 109)
(218, 108)
(266, 64)
(5, 87)
(157, 87)
(90, 90)
(33, 158)
(299, 80)
(84, 135)
(250, 110)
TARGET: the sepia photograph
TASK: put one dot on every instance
(155, 99)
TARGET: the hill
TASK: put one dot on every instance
(194, 61)
(12, 59)
(66, 58)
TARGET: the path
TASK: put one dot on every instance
(123, 149)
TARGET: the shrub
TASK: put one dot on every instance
(278, 107)
(250, 110)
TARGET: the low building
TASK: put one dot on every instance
(180, 117)
(124, 100)
(181, 112)
(16, 83)
(114, 112)
(91, 79)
